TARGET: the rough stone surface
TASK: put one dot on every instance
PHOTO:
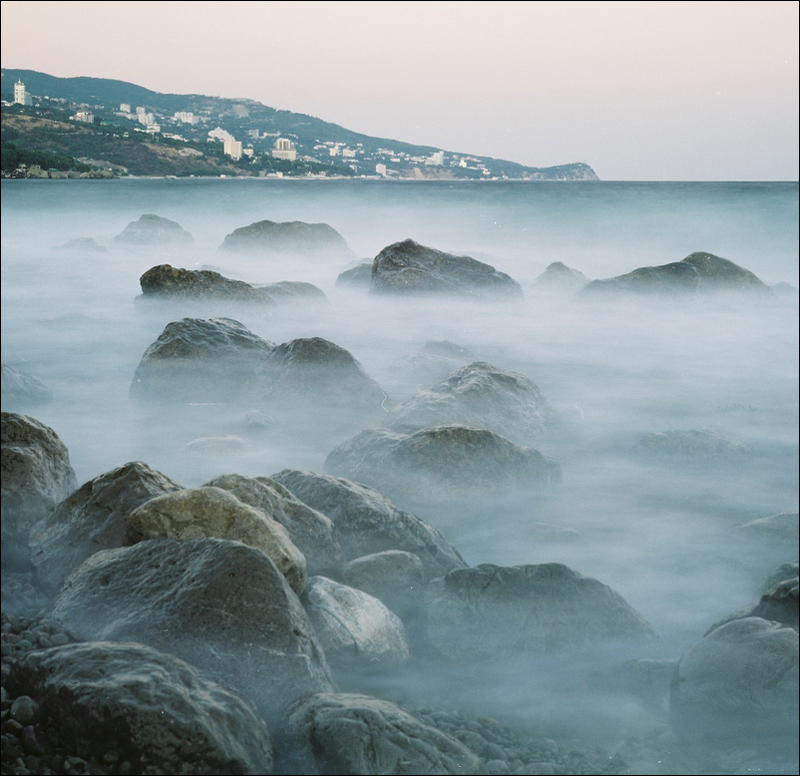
(489, 612)
(220, 605)
(718, 274)
(691, 445)
(780, 574)
(150, 709)
(153, 230)
(367, 522)
(739, 683)
(479, 395)
(21, 390)
(213, 512)
(355, 629)
(312, 532)
(292, 237)
(436, 462)
(197, 359)
(558, 278)
(780, 604)
(409, 268)
(92, 518)
(356, 277)
(357, 734)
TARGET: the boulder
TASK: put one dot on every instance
(780, 574)
(135, 704)
(479, 395)
(220, 605)
(692, 445)
(82, 245)
(440, 461)
(355, 629)
(784, 526)
(408, 268)
(356, 277)
(368, 522)
(153, 230)
(348, 733)
(91, 519)
(313, 533)
(491, 612)
(213, 512)
(739, 685)
(718, 274)
(291, 291)
(558, 278)
(21, 390)
(197, 359)
(290, 237)
(435, 361)
(780, 604)
(36, 475)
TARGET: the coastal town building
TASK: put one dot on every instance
(21, 95)
(233, 148)
(218, 133)
(284, 149)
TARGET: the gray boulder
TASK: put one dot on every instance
(356, 277)
(739, 684)
(439, 461)
(780, 574)
(692, 445)
(718, 274)
(92, 518)
(558, 278)
(82, 245)
(780, 603)
(21, 390)
(408, 268)
(491, 612)
(355, 629)
(196, 359)
(153, 230)
(139, 705)
(220, 605)
(367, 522)
(348, 733)
(312, 532)
(479, 395)
(290, 237)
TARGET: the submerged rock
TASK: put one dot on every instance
(780, 603)
(290, 237)
(356, 277)
(153, 230)
(692, 445)
(435, 361)
(21, 390)
(558, 278)
(784, 526)
(131, 703)
(82, 245)
(409, 268)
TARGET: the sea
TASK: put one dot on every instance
(665, 535)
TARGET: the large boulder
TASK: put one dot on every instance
(739, 685)
(132, 703)
(409, 268)
(208, 511)
(356, 277)
(153, 230)
(780, 603)
(21, 390)
(480, 395)
(290, 237)
(36, 475)
(197, 359)
(220, 605)
(367, 522)
(355, 629)
(490, 612)
(440, 461)
(348, 733)
(92, 518)
(718, 274)
(312, 532)
(558, 278)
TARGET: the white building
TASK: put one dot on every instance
(84, 116)
(218, 133)
(124, 107)
(21, 96)
(284, 149)
(148, 119)
(380, 169)
(233, 148)
(435, 160)
(187, 117)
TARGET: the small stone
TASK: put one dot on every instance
(24, 709)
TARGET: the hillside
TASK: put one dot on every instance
(120, 127)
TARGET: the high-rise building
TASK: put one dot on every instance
(21, 96)
(284, 149)
(233, 148)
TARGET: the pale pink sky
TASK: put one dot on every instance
(639, 90)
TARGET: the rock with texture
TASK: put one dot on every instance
(348, 733)
(139, 705)
(92, 518)
(558, 278)
(222, 606)
(21, 390)
(367, 522)
(780, 603)
(153, 230)
(491, 612)
(408, 268)
(290, 237)
(356, 277)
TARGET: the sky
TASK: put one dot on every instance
(638, 90)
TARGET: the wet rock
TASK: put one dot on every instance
(692, 445)
(784, 526)
(220, 605)
(213, 512)
(257, 423)
(781, 603)
(133, 703)
(312, 532)
(408, 268)
(356, 277)
(558, 278)
(290, 237)
(367, 522)
(491, 612)
(82, 245)
(355, 629)
(739, 684)
(434, 362)
(347, 733)
(21, 390)
(479, 395)
(440, 461)
(781, 573)
(718, 274)
(197, 359)
(153, 230)
(92, 518)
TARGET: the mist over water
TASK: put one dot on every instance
(662, 533)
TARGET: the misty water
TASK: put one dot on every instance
(664, 535)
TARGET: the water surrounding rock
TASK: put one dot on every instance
(82, 245)
(692, 445)
(780, 603)
(408, 268)
(356, 277)
(780, 574)
(784, 526)
(153, 230)
(21, 390)
(432, 363)
(290, 237)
